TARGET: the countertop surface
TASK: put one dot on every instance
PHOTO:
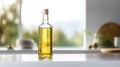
(61, 64)
(58, 55)
(61, 58)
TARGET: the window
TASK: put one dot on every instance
(66, 16)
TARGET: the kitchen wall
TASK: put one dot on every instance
(99, 12)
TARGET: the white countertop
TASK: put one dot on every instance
(58, 55)
(61, 58)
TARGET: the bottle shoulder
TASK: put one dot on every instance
(45, 25)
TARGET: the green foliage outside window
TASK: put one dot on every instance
(59, 38)
(9, 25)
(9, 30)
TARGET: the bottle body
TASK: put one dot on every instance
(45, 43)
(45, 40)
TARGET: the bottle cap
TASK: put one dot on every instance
(45, 11)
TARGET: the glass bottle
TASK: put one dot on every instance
(45, 37)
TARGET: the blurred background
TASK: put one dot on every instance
(66, 17)
(9, 21)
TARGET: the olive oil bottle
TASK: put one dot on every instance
(45, 38)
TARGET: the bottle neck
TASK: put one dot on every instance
(45, 18)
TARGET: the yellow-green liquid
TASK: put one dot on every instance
(45, 43)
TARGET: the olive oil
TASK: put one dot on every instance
(45, 38)
(45, 43)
